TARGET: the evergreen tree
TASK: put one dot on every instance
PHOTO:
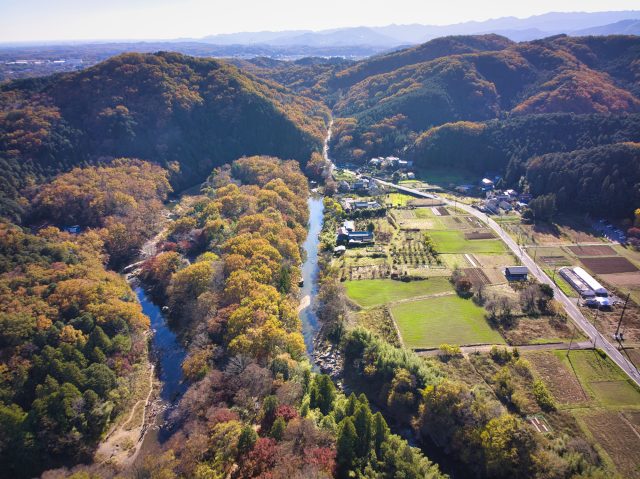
(346, 447)
(379, 432)
(277, 430)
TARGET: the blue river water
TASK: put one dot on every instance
(166, 348)
(310, 271)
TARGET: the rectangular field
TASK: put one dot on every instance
(374, 292)
(601, 379)
(562, 382)
(592, 250)
(619, 437)
(477, 235)
(604, 265)
(452, 241)
(447, 319)
(476, 276)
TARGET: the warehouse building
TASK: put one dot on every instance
(597, 288)
(576, 283)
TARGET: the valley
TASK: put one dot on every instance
(365, 280)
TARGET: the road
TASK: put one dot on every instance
(485, 348)
(597, 339)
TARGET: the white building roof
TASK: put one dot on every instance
(590, 281)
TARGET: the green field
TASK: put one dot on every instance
(446, 176)
(374, 292)
(447, 319)
(565, 287)
(397, 199)
(425, 213)
(452, 241)
(601, 378)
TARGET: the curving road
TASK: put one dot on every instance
(597, 339)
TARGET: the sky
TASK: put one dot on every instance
(50, 20)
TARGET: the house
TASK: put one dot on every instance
(360, 237)
(354, 238)
(411, 175)
(505, 206)
(364, 205)
(375, 162)
(512, 194)
(339, 250)
(344, 186)
(75, 229)
(464, 188)
(486, 184)
(492, 206)
(361, 185)
(525, 198)
(349, 226)
(516, 273)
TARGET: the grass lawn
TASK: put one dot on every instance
(452, 241)
(561, 283)
(446, 176)
(374, 292)
(601, 378)
(448, 319)
(397, 199)
(424, 213)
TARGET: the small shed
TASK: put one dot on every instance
(516, 273)
(339, 250)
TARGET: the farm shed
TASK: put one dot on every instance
(516, 273)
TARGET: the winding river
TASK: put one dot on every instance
(169, 353)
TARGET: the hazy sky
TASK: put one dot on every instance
(28, 20)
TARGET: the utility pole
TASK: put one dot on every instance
(575, 326)
(624, 308)
(595, 322)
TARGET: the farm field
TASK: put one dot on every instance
(453, 241)
(446, 177)
(375, 292)
(621, 446)
(609, 265)
(397, 199)
(592, 250)
(540, 330)
(601, 379)
(447, 319)
(561, 381)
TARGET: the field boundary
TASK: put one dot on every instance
(395, 325)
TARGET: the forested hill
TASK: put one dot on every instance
(437, 48)
(384, 112)
(189, 114)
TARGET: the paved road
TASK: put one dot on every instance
(597, 339)
(485, 348)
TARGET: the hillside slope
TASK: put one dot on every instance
(384, 112)
(188, 114)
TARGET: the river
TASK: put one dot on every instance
(310, 271)
(168, 354)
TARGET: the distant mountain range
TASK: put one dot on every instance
(516, 29)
